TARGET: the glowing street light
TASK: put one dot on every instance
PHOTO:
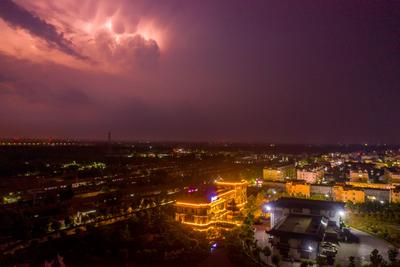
(268, 207)
(341, 213)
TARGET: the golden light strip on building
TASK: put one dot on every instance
(200, 204)
(231, 183)
(211, 222)
(367, 185)
(225, 193)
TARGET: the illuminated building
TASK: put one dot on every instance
(370, 185)
(310, 174)
(395, 195)
(321, 190)
(213, 206)
(279, 173)
(348, 194)
(299, 225)
(366, 174)
(299, 189)
(393, 176)
(359, 176)
(377, 194)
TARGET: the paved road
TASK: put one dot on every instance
(362, 250)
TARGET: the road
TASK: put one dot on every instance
(361, 250)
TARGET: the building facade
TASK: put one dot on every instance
(210, 207)
(298, 189)
(348, 194)
(279, 173)
(298, 226)
(310, 175)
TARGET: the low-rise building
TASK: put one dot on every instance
(280, 208)
(298, 226)
(213, 205)
(361, 176)
(395, 195)
(310, 174)
(377, 194)
(370, 185)
(321, 190)
(393, 176)
(348, 194)
(298, 189)
(279, 172)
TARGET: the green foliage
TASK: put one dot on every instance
(149, 239)
(352, 262)
(375, 258)
(276, 259)
(321, 261)
(392, 255)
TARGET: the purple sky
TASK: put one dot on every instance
(255, 71)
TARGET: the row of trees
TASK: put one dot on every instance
(377, 219)
(151, 238)
(244, 249)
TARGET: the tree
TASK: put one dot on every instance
(55, 225)
(392, 255)
(267, 252)
(375, 258)
(67, 193)
(321, 261)
(276, 259)
(351, 262)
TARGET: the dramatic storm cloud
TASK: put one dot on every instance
(17, 16)
(266, 71)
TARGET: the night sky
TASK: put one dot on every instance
(244, 71)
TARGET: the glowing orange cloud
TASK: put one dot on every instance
(100, 31)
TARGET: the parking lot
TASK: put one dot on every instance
(360, 250)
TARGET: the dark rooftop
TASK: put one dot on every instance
(300, 226)
(287, 202)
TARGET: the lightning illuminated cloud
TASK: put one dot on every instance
(100, 33)
(200, 70)
(17, 16)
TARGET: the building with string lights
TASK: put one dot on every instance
(212, 206)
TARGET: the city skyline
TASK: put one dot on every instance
(287, 72)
